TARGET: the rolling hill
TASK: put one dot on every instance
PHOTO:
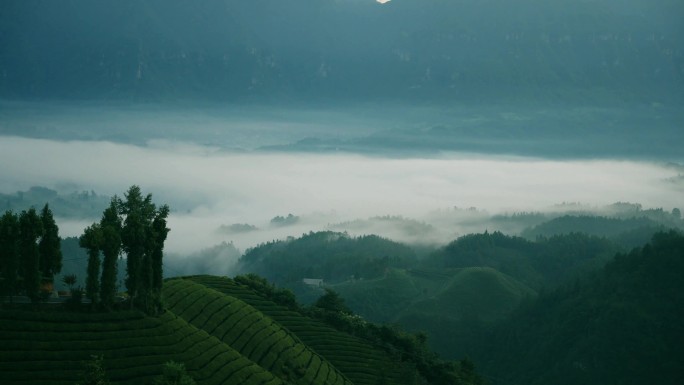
(451, 306)
(224, 333)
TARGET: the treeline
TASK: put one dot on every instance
(30, 253)
(332, 256)
(545, 262)
(135, 226)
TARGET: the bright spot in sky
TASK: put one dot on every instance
(383, 1)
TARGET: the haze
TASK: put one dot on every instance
(236, 112)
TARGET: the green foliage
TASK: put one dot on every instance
(357, 359)
(247, 330)
(629, 232)
(328, 255)
(9, 253)
(284, 297)
(94, 372)
(50, 347)
(138, 228)
(547, 262)
(622, 325)
(110, 225)
(174, 373)
(332, 302)
(91, 241)
(30, 230)
(49, 246)
(142, 237)
(69, 280)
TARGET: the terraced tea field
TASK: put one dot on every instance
(360, 361)
(50, 347)
(224, 333)
(249, 331)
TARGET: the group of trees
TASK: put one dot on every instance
(135, 226)
(30, 252)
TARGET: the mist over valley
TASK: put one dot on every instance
(347, 192)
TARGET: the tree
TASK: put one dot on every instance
(110, 225)
(159, 234)
(94, 373)
(30, 230)
(134, 237)
(49, 246)
(70, 280)
(331, 301)
(91, 239)
(142, 237)
(174, 373)
(9, 253)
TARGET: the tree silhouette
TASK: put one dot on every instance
(49, 246)
(110, 226)
(91, 241)
(30, 230)
(9, 253)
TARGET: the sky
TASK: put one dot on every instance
(207, 188)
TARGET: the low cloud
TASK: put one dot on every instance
(207, 188)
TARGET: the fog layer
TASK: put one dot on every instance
(207, 189)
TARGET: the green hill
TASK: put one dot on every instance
(249, 331)
(452, 306)
(222, 331)
(50, 347)
(622, 326)
(332, 256)
(356, 358)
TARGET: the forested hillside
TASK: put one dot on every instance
(621, 326)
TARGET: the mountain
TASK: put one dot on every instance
(342, 50)
(621, 326)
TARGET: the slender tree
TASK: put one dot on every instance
(91, 241)
(134, 237)
(49, 246)
(9, 253)
(142, 236)
(30, 230)
(111, 248)
(160, 232)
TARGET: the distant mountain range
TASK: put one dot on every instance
(317, 50)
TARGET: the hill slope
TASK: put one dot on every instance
(621, 327)
(224, 332)
(357, 359)
(50, 347)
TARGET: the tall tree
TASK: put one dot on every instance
(49, 246)
(30, 230)
(9, 253)
(134, 237)
(110, 226)
(142, 236)
(160, 232)
(91, 239)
